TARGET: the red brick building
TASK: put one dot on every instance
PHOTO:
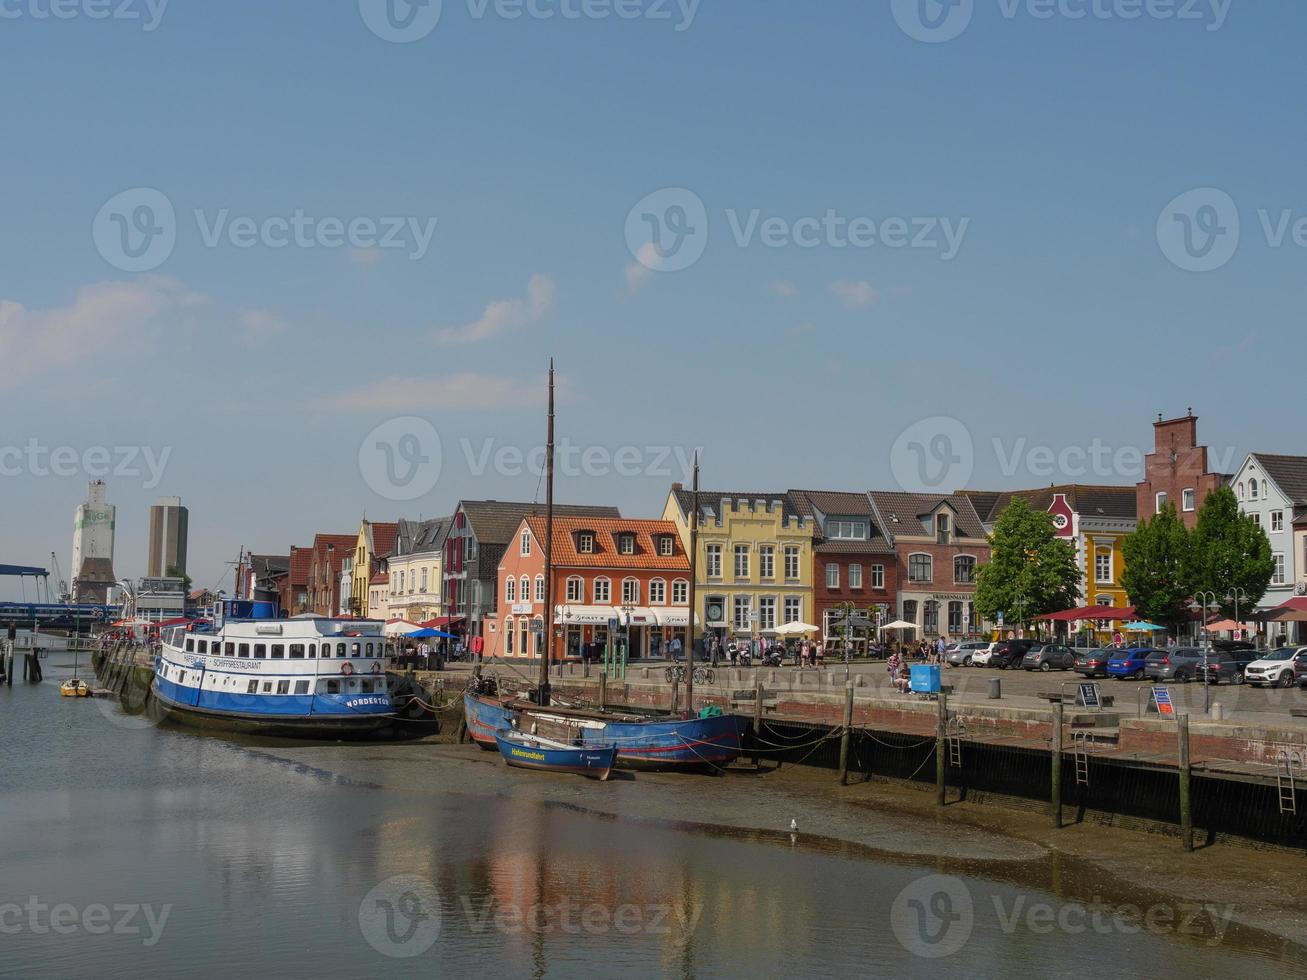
(853, 562)
(939, 543)
(634, 571)
(293, 587)
(1176, 471)
(326, 558)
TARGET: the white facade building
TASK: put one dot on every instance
(1273, 491)
(93, 538)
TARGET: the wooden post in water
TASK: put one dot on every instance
(1186, 810)
(1056, 800)
(941, 748)
(757, 723)
(603, 691)
(848, 733)
(676, 696)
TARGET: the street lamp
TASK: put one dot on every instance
(1237, 595)
(1206, 598)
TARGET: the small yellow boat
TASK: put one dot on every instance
(75, 689)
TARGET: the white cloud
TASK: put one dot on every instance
(647, 262)
(469, 390)
(507, 314)
(854, 294)
(103, 315)
(261, 324)
(786, 289)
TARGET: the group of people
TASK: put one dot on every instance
(424, 656)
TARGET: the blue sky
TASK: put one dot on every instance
(1054, 144)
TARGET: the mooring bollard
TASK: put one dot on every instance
(1186, 811)
(941, 737)
(1056, 800)
(848, 733)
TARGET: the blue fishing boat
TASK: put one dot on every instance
(533, 752)
(485, 715)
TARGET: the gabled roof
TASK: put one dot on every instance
(417, 537)
(606, 531)
(269, 565)
(381, 537)
(1087, 501)
(900, 513)
(1289, 474)
(496, 521)
(710, 501)
(833, 503)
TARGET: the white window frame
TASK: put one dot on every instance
(630, 591)
(1108, 553)
(510, 589)
(680, 591)
(585, 543)
(764, 603)
(740, 551)
(1281, 574)
(832, 575)
(767, 562)
(741, 603)
(794, 558)
(524, 590)
(974, 565)
(855, 575)
(930, 566)
(626, 544)
(657, 592)
(602, 590)
(1188, 499)
(666, 546)
(794, 615)
(1159, 501)
(1277, 521)
(713, 560)
(878, 576)
(540, 588)
(575, 589)
(525, 544)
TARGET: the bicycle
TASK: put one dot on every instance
(702, 675)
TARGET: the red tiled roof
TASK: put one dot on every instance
(383, 538)
(605, 554)
(381, 578)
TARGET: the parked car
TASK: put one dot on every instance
(1130, 662)
(1228, 666)
(981, 657)
(1092, 663)
(1047, 656)
(1274, 669)
(960, 654)
(1178, 664)
(1300, 666)
(1009, 653)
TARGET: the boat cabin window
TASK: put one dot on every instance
(333, 687)
(260, 651)
(367, 687)
(278, 651)
(244, 651)
(356, 650)
(340, 651)
(301, 687)
(313, 651)
(297, 651)
(369, 649)
(283, 687)
(230, 649)
(253, 688)
(201, 646)
(267, 687)
(190, 644)
(326, 651)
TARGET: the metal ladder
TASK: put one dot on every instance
(1080, 751)
(953, 735)
(1285, 764)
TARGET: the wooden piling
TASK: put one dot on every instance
(848, 733)
(676, 696)
(1055, 802)
(603, 691)
(1186, 800)
(941, 748)
(757, 723)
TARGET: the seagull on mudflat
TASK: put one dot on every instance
(794, 825)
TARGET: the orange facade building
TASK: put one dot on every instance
(607, 571)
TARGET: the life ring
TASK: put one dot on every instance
(376, 668)
(347, 669)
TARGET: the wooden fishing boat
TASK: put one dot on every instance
(525, 751)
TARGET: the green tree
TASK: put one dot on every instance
(175, 572)
(1157, 565)
(1031, 572)
(1228, 550)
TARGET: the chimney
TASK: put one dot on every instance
(678, 486)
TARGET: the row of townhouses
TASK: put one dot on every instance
(764, 559)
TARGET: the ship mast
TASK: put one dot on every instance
(694, 562)
(547, 646)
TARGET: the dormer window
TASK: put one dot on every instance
(626, 544)
(666, 548)
(585, 542)
(943, 529)
(842, 530)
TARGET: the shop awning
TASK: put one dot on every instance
(586, 615)
(1113, 613)
(1292, 611)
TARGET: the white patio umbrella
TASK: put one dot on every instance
(795, 629)
(899, 624)
(400, 627)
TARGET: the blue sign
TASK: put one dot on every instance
(1162, 698)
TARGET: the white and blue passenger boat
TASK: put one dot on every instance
(249, 671)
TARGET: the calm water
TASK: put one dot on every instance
(161, 852)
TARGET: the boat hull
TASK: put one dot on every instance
(267, 722)
(485, 717)
(596, 762)
(691, 743)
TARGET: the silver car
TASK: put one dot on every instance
(961, 654)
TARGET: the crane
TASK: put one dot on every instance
(64, 595)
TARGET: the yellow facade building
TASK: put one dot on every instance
(415, 569)
(754, 566)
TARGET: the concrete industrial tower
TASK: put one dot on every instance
(93, 530)
(168, 529)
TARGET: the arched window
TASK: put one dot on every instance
(1252, 489)
(525, 591)
(508, 635)
(540, 588)
(1241, 491)
(524, 635)
(657, 592)
(575, 589)
(680, 592)
(630, 590)
(603, 591)
(510, 589)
